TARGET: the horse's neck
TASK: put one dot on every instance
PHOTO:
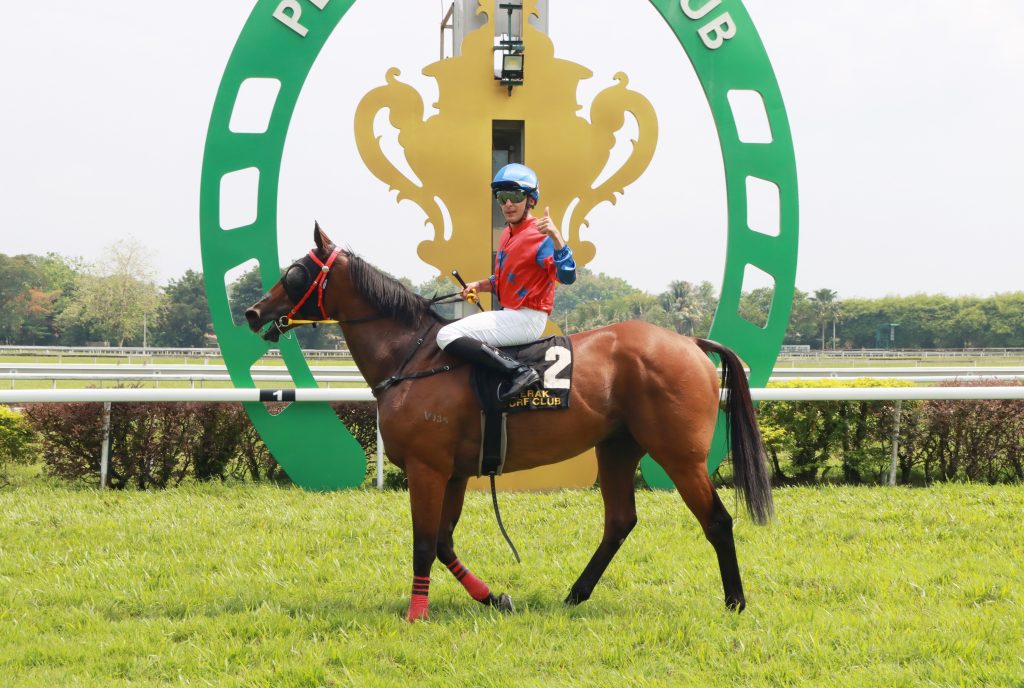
(380, 347)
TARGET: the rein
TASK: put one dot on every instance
(286, 321)
(289, 322)
(384, 385)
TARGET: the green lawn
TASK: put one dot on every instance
(263, 586)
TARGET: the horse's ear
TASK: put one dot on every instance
(323, 242)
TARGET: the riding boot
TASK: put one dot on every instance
(521, 376)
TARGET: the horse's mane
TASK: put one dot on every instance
(389, 296)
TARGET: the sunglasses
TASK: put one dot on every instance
(514, 195)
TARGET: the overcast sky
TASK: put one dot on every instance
(906, 119)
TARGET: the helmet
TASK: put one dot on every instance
(517, 176)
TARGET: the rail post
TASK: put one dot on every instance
(380, 455)
(895, 441)
(105, 452)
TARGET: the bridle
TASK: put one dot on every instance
(319, 284)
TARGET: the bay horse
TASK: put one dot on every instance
(638, 389)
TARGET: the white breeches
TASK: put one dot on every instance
(497, 328)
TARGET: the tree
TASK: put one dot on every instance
(1005, 321)
(183, 318)
(584, 304)
(111, 301)
(590, 287)
(707, 301)
(827, 309)
(33, 289)
(681, 301)
(438, 286)
(15, 278)
(756, 305)
(244, 292)
(803, 320)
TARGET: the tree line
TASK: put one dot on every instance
(57, 300)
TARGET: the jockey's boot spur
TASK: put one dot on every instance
(520, 376)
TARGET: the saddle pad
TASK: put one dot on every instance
(551, 357)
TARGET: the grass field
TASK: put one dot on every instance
(261, 586)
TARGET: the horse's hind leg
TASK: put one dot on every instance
(719, 534)
(694, 485)
(617, 460)
(454, 496)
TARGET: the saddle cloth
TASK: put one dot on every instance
(552, 358)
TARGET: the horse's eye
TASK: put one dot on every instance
(295, 281)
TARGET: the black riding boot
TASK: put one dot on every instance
(521, 376)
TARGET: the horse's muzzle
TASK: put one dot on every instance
(257, 321)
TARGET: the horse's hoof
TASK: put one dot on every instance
(575, 598)
(416, 612)
(502, 602)
(736, 605)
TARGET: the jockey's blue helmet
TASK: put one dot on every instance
(517, 176)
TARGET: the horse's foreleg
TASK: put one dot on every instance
(426, 494)
(616, 465)
(454, 496)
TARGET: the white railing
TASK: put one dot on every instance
(854, 354)
(346, 374)
(122, 394)
(157, 373)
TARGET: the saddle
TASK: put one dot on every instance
(552, 358)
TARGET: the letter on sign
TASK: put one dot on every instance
(700, 13)
(718, 31)
(289, 12)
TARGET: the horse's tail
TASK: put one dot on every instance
(750, 466)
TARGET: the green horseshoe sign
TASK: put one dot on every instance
(279, 44)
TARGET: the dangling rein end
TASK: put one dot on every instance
(501, 526)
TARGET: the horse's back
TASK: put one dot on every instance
(644, 368)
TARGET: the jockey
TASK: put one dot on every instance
(532, 258)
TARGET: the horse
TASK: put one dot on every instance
(637, 389)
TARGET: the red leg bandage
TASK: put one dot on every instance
(476, 588)
(420, 598)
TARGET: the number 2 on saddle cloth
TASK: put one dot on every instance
(552, 358)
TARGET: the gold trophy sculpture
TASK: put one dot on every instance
(451, 153)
